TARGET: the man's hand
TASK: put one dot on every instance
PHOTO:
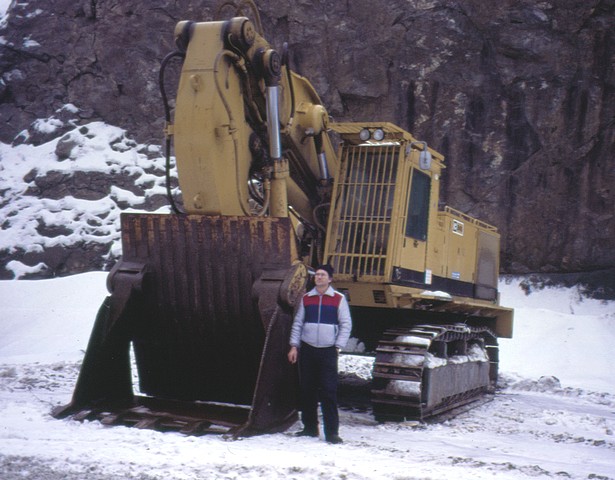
(292, 355)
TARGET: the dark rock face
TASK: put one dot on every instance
(518, 95)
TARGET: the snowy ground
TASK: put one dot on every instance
(534, 428)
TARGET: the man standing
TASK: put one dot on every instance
(321, 328)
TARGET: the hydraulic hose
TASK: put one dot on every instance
(167, 114)
(315, 213)
(238, 6)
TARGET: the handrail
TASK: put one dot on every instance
(468, 218)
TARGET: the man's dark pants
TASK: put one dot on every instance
(318, 378)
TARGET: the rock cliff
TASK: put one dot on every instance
(518, 95)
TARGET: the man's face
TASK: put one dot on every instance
(321, 278)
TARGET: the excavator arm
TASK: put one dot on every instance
(250, 135)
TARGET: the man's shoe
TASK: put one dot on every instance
(307, 433)
(334, 439)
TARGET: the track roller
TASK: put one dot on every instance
(430, 369)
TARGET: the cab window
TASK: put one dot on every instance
(418, 207)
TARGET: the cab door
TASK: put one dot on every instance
(414, 244)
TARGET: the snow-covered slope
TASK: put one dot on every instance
(67, 190)
(559, 332)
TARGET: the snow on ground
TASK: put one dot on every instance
(559, 332)
(536, 427)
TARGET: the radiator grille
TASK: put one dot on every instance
(363, 211)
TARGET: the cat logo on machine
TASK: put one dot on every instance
(458, 227)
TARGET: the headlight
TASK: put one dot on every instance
(378, 134)
(364, 135)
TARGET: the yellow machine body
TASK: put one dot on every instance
(390, 244)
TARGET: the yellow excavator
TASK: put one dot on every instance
(202, 300)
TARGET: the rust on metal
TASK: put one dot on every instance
(183, 297)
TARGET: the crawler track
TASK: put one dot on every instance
(431, 369)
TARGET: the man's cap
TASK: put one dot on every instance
(327, 268)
